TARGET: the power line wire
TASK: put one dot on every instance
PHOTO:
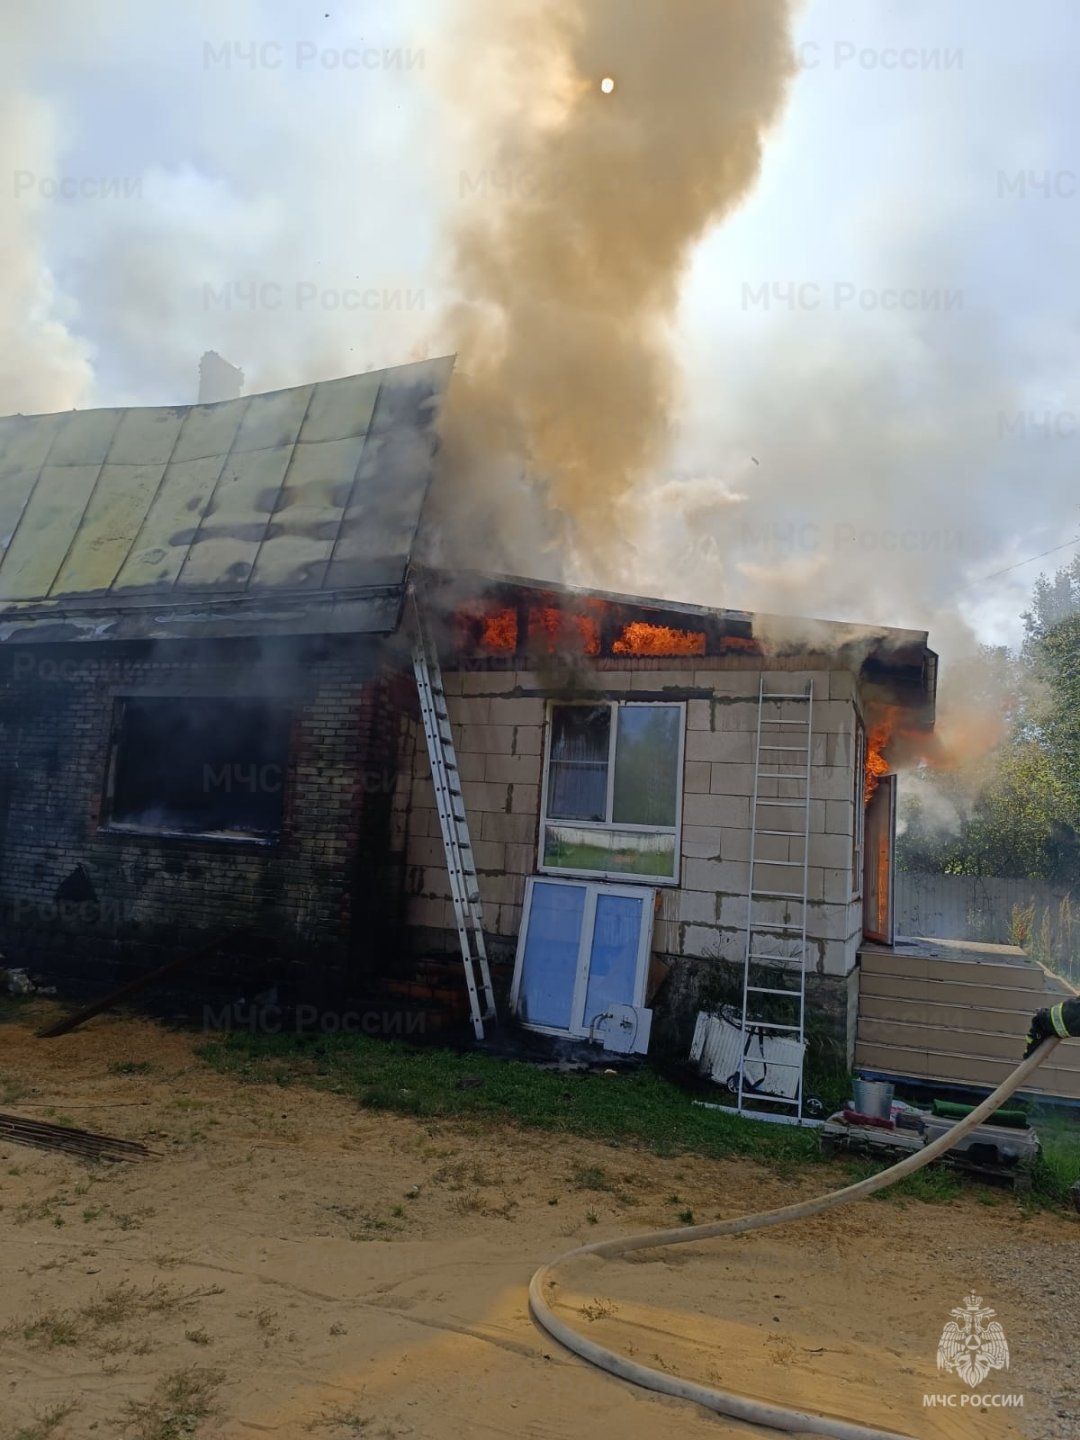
(1030, 560)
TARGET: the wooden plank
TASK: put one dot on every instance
(962, 1017)
(1027, 978)
(958, 992)
(975, 950)
(979, 1045)
(1066, 1057)
(963, 1070)
(922, 967)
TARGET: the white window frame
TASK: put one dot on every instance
(619, 877)
(593, 891)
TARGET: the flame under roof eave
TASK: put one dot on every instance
(843, 633)
(899, 660)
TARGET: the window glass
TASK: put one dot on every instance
(647, 765)
(612, 852)
(550, 962)
(618, 789)
(578, 764)
(613, 957)
(581, 952)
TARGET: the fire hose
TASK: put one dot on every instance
(739, 1407)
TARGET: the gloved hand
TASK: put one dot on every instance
(1040, 1029)
(1062, 1020)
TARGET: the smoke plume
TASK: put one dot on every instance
(570, 259)
(822, 451)
(41, 357)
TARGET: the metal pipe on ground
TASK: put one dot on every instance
(86, 1144)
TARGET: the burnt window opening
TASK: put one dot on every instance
(214, 768)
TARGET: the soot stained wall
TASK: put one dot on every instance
(83, 904)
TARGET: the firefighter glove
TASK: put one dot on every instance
(1062, 1021)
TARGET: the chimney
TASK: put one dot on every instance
(218, 380)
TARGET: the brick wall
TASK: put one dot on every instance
(77, 901)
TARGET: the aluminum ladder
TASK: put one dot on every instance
(450, 804)
(779, 825)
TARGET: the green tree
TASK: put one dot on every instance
(1017, 810)
(1052, 650)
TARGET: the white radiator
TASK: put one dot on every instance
(773, 1064)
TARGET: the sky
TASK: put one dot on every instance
(875, 357)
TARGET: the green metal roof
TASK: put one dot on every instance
(315, 490)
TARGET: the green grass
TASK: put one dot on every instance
(35, 1010)
(639, 1108)
(935, 1185)
(343, 1422)
(45, 1424)
(109, 1308)
(48, 1331)
(177, 1408)
(12, 1090)
(1059, 1164)
(1057, 1170)
(592, 1177)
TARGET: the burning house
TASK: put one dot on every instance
(210, 718)
(612, 746)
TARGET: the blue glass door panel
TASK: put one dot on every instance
(613, 960)
(552, 947)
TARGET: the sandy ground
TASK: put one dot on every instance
(340, 1273)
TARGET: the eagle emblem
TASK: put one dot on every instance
(971, 1347)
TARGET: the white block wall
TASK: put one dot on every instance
(498, 719)
(499, 740)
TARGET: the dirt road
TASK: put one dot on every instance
(295, 1266)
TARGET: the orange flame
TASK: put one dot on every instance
(501, 630)
(553, 630)
(494, 630)
(965, 733)
(882, 728)
(638, 638)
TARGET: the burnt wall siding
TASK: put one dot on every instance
(78, 903)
